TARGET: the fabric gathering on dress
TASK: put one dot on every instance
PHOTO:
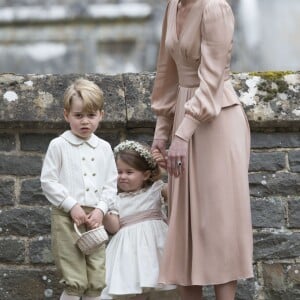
(210, 232)
(134, 252)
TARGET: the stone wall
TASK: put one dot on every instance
(31, 115)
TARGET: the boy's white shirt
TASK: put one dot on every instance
(79, 171)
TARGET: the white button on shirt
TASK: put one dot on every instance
(79, 171)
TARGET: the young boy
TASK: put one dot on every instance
(79, 178)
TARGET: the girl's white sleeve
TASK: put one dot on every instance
(109, 190)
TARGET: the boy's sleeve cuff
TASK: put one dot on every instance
(103, 206)
(68, 204)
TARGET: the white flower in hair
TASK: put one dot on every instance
(137, 147)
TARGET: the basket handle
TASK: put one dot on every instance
(77, 230)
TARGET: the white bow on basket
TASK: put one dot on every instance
(91, 240)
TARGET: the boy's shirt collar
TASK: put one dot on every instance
(75, 140)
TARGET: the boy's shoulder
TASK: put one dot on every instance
(56, 141)
(61, 140)
(103, 143)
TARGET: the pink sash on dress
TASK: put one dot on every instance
(151, 214)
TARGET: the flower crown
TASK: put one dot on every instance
(137, 147)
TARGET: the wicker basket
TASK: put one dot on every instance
(90, 240)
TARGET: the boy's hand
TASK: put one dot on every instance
(158, 157)
(94, 218)
(78, 214)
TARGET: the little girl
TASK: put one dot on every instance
(134, 252)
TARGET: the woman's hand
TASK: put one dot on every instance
(160, 145)
(177, 156)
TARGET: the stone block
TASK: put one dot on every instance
(138, 92)
(281, 281)
(37, 142)
(294, 160)
(274, 276)
(40, 251)
(269, 98)
(7, 142)
(12, 251)
(270, 140)
(276, 245)
(276, 184)
(25, 221)
(46, 94)
(267, 213)
(267, 161)
(293, 272)
(294, 213)
(31, 193)
(29, 284)
(26, 165)
(7, 193)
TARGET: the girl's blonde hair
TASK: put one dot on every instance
(89, 92)
(139, 157)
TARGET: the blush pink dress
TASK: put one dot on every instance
(210, 232)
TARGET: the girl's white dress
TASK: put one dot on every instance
(133, 254)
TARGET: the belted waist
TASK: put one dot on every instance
(228, 98)
(189, 78)
(193, 82)
(151, 214)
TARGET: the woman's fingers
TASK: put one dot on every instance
(176, 157)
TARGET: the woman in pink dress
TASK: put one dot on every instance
(210, 232)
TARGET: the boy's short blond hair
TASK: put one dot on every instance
(89, 92)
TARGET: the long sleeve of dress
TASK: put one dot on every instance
(109, 190)
(165, 88)
(217, 33)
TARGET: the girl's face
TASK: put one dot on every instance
(82, 124)
(130, 179)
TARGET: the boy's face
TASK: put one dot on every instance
(82, 124)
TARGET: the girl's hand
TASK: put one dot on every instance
(94, 218)
(159, 158)
(159, 145)
(177, 156)
(78, 215)
(111, 222)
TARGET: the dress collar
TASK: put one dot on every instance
(75, 140)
